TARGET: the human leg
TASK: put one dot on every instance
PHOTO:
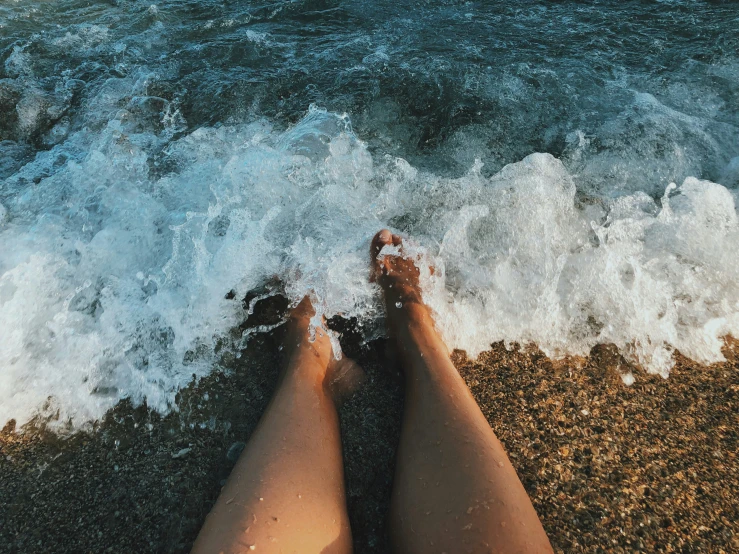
(455, 489)
(286, 492)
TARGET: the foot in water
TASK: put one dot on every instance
(408, 318)
(309, 352)
(394, 270)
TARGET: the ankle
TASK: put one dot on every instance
(418, 341)
(304, 363)
(409, 320)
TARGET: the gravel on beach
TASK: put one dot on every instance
(650, 467)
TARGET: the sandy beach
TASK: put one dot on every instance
(650, 467)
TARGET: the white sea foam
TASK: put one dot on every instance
(113, 280)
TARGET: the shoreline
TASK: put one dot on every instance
(648, 467)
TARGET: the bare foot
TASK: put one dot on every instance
(409, 319)
(397, 273)
(310, 354)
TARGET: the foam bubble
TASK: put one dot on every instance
(115, 279)
(645, 278)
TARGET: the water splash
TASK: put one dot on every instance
(155, 169)
(122, 289)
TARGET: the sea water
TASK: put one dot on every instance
(570, 169)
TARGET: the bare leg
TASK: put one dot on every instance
(455, 489)
(286, 492)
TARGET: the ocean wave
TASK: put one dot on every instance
(119, 283)
(158, 166)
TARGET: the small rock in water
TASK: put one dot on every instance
(182, 453)
(234, 451)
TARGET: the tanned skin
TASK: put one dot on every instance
(455, 489)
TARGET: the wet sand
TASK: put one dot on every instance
(610, 468)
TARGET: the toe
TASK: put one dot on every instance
(380, 240)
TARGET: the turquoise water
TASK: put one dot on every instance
(156, 157)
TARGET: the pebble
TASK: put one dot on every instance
(182, 453)
(234, 451)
